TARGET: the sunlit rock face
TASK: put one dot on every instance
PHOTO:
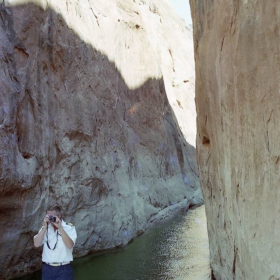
(90, 91)
(237, 97)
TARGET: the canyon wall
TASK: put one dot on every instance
(97, 114)
(237, 47)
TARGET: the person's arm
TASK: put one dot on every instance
(66, 239)
(38, 239)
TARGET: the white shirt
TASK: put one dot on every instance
(61, 253)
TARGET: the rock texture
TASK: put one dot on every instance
(237, 98)
(89, 94)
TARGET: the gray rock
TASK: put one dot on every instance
(90, 91)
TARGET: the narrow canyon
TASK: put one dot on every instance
(97, 113)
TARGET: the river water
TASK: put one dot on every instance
(176, 249)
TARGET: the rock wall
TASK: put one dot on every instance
(89, 94)
(237, 46)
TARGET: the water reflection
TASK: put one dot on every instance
(187, 248)
(176, 249)
(181, 250)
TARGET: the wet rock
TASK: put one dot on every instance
(90, 91)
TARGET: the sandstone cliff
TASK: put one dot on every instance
(89, 91)
(237, 97)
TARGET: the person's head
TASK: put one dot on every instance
(55, 210)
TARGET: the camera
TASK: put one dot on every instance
(52, 218)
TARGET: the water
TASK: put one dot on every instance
(176, 249)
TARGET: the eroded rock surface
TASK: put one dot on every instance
(237, 97)
(88, 91)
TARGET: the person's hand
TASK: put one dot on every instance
(57, 222)
(46, 221)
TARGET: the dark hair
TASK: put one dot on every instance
(55, 208)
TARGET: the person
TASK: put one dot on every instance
(58, 239)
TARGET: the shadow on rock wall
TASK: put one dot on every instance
(74, 133)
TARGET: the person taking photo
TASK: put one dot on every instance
(58, 239)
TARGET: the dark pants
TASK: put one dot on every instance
(62, 272)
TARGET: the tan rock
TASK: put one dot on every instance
(88, 93)
(237, 98)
